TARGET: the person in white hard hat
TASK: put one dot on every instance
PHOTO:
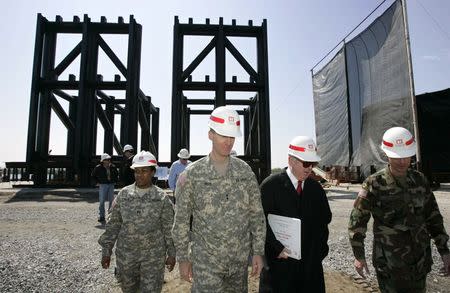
(406, 217)
(178, 167)
(293, 194)
(140, 225)
(222, 195)
(105, 175)
(126, 173)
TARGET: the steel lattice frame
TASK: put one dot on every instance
(256, 115)
(86, 108)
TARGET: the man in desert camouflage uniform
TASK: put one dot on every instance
(141, 222)
(221, 193)
(406, 216)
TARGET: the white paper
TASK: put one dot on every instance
(288, 232)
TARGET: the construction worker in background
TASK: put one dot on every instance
(292, 193)
(140, 222)
(178, 167)
(222, 195)
(105, 175)
(406, 216)
(126, 173)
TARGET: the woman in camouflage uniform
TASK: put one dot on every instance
(140, 222)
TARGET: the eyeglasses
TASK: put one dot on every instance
(306, 164)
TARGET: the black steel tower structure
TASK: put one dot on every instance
(255, 110)
(91, 103)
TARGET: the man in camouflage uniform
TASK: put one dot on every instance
(406, 216)
(141, 222)
(221, 193)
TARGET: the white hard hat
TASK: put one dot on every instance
(303, 148)
(104, 156)
(225, 121)
(128, 147)
(184, 154)
(398, 142)
(144, 159)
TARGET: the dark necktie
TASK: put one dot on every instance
(299, 187)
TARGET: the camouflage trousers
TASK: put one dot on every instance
(140, 276)
(391, 285)
(209, 277)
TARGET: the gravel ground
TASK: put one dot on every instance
(48, 243)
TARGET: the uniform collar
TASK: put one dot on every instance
(213, 170)
(148, 190)
(388, 176)
(390, 179)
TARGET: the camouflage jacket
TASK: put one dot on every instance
(405, 215)
(228, 218)
(141, 224)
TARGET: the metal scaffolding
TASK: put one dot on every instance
(256, 114)
(91, 104)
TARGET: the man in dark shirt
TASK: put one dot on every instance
(127, 174)
(105, 175)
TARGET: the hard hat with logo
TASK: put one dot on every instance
(144, 159)
(128, 147)
(104, 156)
(225, 121)
(184, 154)
(303, 148)
(398, 142)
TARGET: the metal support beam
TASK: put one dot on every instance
(58, 109)
(85, 109)
(155, 130)
(255, 109)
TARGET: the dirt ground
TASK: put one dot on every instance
(335, 282)
(48, 243)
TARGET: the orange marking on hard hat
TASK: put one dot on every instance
(217, 119)
(388, 144)
(410, 141)
(296, 148)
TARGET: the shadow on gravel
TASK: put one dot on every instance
(333, 194)
(89, 195)
(100, 226)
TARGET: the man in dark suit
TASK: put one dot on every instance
(292, 193)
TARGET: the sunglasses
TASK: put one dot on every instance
(307, 164)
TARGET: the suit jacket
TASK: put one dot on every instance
(280, 197)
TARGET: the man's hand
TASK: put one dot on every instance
(185, 268)
(284, 253)
(446, 261)
(360, 265)
(170, 262)
(257, 265)
(106, 260)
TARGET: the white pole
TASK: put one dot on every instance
(411, 81)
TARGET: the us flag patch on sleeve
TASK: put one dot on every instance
(181, 179)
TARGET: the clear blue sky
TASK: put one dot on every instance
(300, 33)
